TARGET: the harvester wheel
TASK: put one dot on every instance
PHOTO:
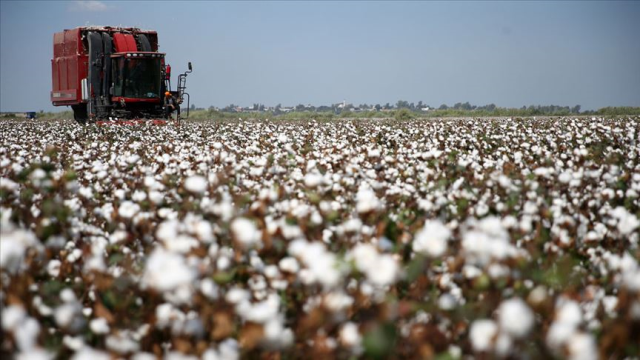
(80, 114)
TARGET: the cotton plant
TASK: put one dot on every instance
(328, 239)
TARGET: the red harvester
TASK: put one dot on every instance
(112, 73)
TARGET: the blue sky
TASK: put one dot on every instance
(508, 53)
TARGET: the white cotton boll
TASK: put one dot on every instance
(312, 180)
(181, 244)
(65, 314)
(223, 263)
(264, 311)
(503, 344)
(582, 346)
(87, 353)
(482, 334)
(321, 264)
(133, 159)
(627, 222)
(204, 231)
(289, 264)
(365, 256)
(12, 316)
(14, 244)
(167, 230)
(447, 302)
(73, 343)
(569, 313)
(156, 197)
(373, 153)
(537, 295)
(367, 200)
(86, 192)
(34, 354)
(229, 350)
(150, 356)
(174, 355)
(504, 181)
(432, 239)
(209, 289)
(515, 317)
(128, 209)
(67, 295)
(196, 184)
(237, 295)
(381, 269)
(139, 196)
(385, 271)
(53, 268)
(276, 335)
(245, 231)
(489, 241)
(565, 177)
(610, 303)
(471, 272)
(337, 301)
(349, 335)
(122, 343)
(481, 209)
(167, 271)
(74, 255)
(99, 326)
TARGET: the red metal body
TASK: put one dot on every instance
(70, 59)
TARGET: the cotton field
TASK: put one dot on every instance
(490, 238)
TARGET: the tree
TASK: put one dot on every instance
(402, 104)
(443, 107)
(576, 109)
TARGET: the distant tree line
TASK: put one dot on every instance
(422, 109)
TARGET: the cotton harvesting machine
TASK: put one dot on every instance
(112, 74)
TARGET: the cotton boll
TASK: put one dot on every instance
(88, 353)
(569, 313)
(515, 317)
(12, 316)
(121, 343)
(245, 231)
(565, 177)
(276, 335)
(432, 239)
(167, 271)
(482, 334)
(350, 336)
(385, 271)
(34, 354)
(209, 289)
(15, 243)
(447, 302)
(627, 222)
(128, 209)
(196, 184)
(99, 326)
(367, 200)
(289, 264)
(582, 346)
(312, 180)
(65, 314)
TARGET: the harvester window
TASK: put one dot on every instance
(137, 78)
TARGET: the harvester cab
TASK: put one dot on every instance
(109, 73)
